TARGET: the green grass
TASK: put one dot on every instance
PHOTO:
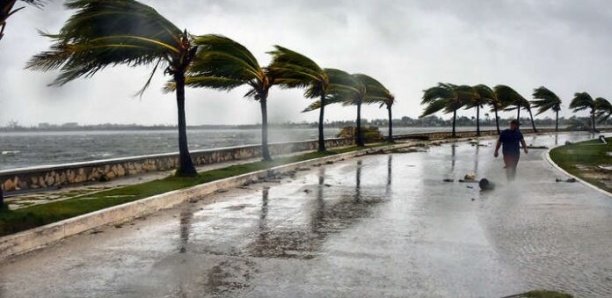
(13, 221)
(588, 153)
(545, 294)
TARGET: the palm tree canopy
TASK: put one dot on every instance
(109, 32)
(488, 95)
(445, 96)
(510, 99)
(224, 64)
(343, 88)
(582, 101)
(291, 69)
(604, 109)
(545, 100)
(375, 91)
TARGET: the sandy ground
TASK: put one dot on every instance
(381, 225)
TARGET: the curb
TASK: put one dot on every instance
(40, 237)
(560, 169)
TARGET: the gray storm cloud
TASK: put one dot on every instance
(408, 45)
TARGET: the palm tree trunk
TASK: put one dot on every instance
(390, 136)
(496, 120)
(593, 119)
(265, 151)
(477, 120)
(321, 119)
(518, 113)
(532, 122)
(186, 167)
(557, 121)
(454, 120)
(359, 135)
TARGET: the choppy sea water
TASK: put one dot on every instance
(28, 149)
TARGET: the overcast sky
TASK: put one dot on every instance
(564, 45)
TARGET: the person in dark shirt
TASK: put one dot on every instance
(511, 139)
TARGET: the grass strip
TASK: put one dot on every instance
(13, 221)
(574, 157)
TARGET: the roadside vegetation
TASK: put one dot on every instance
(13, 221)
(585, 160)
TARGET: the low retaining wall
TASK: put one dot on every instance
(105, 170)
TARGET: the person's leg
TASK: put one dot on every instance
(510, 162)
(513, 163)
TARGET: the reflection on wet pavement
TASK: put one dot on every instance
(381, 225)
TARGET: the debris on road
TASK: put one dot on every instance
(485, 184)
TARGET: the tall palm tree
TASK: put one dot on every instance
(7, 9)
(584, 101)
(376, 92)
(291, 69)
(547, 100)
(104, 33)
(371, 91)
(489, 97)
(603, 109)
(388, 103)
(343, 88)
(224, 64)
(512, 100)
(474, 100)
(443, 97)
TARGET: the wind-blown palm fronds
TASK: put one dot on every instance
(603, 109)
(547, 100)
(291, 69)
(7, 9)
(473, 99)
(224, 64)
(105, 33)
(489, 97)
(583, 101)
(376, 92)
(443, 97)
(512, 100)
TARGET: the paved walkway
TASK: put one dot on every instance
(381, 225)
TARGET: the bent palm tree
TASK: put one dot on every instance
(105, 33)
(603, 109)
(547, 100)
(291, 69)
(474, 100)
(512, 100)
(376, 92)
(443, 97)
(223, 64)
(489, 97)
(7, 9)
(584, 101)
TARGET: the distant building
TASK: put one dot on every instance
(70, 125)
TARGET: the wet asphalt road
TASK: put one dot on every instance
(382, 225)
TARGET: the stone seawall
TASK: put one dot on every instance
(105, 170)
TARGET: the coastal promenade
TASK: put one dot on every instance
(378, 225)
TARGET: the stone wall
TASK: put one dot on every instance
(105, 170)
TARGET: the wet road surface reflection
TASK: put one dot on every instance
(381, 225)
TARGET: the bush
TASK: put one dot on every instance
(370, 134)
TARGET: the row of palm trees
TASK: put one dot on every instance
(106, 33)
(449, 98)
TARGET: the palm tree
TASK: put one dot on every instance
(371, 91)
(547, 100)
(474, 100)
(291, 69)
(7, 9)
(223, 64)
(511, 100)
(105, 33)
(603, 109)
(489, 97)
(584, 101)
(443, 97)
(376, 92)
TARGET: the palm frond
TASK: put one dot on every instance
(603, 109)
(582, 101)
(435, 106)
(545, 100)
(106, 33)
(290, 69)
(508, 97)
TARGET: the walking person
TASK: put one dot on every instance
(510, 141)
